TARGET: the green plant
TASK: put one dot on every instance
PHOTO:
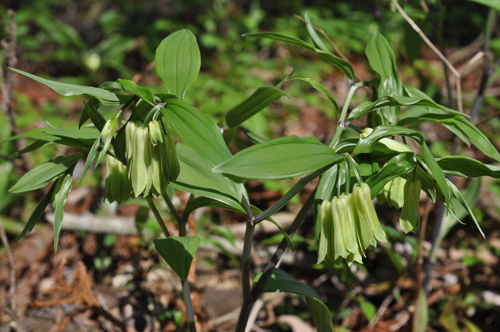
(354, 167)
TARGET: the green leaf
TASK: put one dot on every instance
(196, 177)
(105, 97)
(397, 166)
(461, 199)
(283, 38)
(367, 144)
(385, 101)
(280, 281)
(334, 60)
(45, 173)
(197, 130)
(92, 111)
(437, 173)
(281, 158)
(140, 91)
(91, 157)
(60, 204)
(178, 61)
(467, 167)
(38, 212)
(367, 307)
(178, 252)
(318, 86)
(199, 202)
(314, 36)
(252, 136)
(383, 62)
(465, 127)
(422, 314)
(495, 4)
(84, 133)
(259, 100)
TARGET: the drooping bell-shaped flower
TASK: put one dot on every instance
(410, 214)
(367, 222)
(117, 186)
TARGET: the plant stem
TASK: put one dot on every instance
(157, 215)
(189, 306)
(180, 221)
(245, 270)
(268, 270)
(341, 125)
(441, 48)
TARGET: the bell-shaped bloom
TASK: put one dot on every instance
(117, 186)
(410, 214)
(155, 133)
(367, 222)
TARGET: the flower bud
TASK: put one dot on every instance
(140, 162)
(389, 143)
(326, 225)
(368, 225)
(174, 167)
(396, 194)
(410, 214)
(129, 140)
(155, 133)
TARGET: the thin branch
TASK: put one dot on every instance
(434, 48)
(157, 215)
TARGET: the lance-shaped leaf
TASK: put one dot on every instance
(495, 4)
(465, 127)
(178, 61)
(318, 86)
(385, 101)
(430, 163)
(383, 62)
(279, 159)
(461, 199)
(342, 64)
(280, 281)
(60, 204)
(467, 167)
(105, 97)
(259, 100)
(38, 212)
(178, 252)
(140, 91)
(196, 177)
(197, 130)
(397, 166)
(367, 144)
(45, 173)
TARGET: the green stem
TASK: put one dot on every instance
(245, 271)
(157, 215)
(341, 125)
(180, 221)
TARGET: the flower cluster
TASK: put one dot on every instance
(349, 225)
(151, 158)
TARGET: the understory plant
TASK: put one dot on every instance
(157, 141)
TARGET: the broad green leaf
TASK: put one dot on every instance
(200, 202)
(279, 159)
(38, 212)
(85, 133)
(283, 38)
(383, 62)
(367, 307)
(437, 173)
(45, 173)
(367, 144)
(259, 100)
(197, 130)
(178, 61)
(461, 199)
(36, 133)
(385, 101)
(318, 86)
(280, 281)
(140, 91)
(459, 123)
(422, 314)
(178, 252)
(467, 167)
(60, 204)
(334, 60)
(397, 166)
(105, 97)
(495, 4)
(196, 177)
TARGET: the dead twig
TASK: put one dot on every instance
(10, 258)
(435, 50)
